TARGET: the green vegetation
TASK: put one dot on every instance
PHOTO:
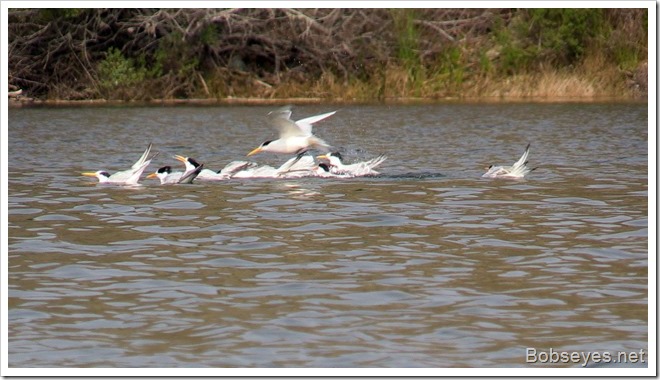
(335, 54)
(562, 35)
(118, 75)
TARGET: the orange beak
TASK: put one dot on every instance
(254, 151)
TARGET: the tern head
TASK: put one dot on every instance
(337, 155)
(190, 162)
(162, 172)
(334, 158)
(261, 148)
(102, 175)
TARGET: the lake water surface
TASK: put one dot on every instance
(426, 265)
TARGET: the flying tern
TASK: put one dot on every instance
(295, 137)
(126, 177)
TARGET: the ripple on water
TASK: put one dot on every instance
(405, 269)
(55, 217)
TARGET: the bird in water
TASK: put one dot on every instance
(518, 170)
(302, 165)
(126, 177)
(334, 162)
(225, 173)
(167, 176)
(295, 137)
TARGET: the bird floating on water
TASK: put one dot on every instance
(295, 137)
(167, 176)
(299, 166)
(225, 173)
(126, 177)
(518, 170)
(335, 165)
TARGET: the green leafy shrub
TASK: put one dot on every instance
(118, 75)
(563, 34)
(514, 55)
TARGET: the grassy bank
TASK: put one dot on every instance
(349, 55)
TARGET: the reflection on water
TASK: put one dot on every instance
(427, 265)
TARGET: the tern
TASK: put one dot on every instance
(167, 176)
(126, 177)
(323, 170)
(518, 170)
(336, 166)
(296, 167)
(295, 136)
(225, 173)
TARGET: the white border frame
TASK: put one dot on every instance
(352, 372)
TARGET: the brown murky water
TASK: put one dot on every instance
(427, 265)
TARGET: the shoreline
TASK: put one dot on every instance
(206, 102)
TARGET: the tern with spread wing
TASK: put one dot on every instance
(295, 137)
(126, 177)
(518, 170)
(300, 166)
(335, 165)
(225, 173)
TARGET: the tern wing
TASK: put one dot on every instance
(122, 177)
(236, 166)
(376, 161)
(318, 143)
(518, 168)
(305, 163)
(190, 175)
(284, 112)
(287, 128)
(306, 124)
(130, 177)
(301, 162)
(523, 158)
(287, 165)
(143, 158)
(264, 171)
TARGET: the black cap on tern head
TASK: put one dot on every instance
(165, 169)
(338, 155)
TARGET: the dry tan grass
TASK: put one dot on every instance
(544, 85)
(595, 78)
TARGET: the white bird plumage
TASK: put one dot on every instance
(225, 173)
(295, 167)
(336, 166)
(167, 176)
(126, 177)
(518, 170)
(295, 137)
